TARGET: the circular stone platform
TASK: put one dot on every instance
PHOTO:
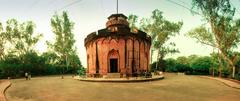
(130, 79)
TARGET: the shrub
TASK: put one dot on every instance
(201, 65)
(225, 72)
(171, 65)
(81, 71)
(237, 76)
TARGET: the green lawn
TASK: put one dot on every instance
(172, 88)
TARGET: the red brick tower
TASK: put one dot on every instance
(115, 49)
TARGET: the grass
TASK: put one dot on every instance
(172, 88)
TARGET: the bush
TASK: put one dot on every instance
(201, 65)
(81, 71)
(182, 67)
(237, 76)
(171, 65)
(225, 72)
(11, 70)
(16, 66)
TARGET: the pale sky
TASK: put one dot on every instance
(91, 15)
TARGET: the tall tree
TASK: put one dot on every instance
(133, 19)
(64, 41)
(74, 59)
(50, 58)
(21, 36)
(161, 30)
(30, 40)
(224, 33)
(2, 41)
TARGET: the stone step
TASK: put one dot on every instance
(113, 75)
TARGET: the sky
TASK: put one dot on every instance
(91, 15)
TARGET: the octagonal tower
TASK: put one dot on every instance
(117, 50)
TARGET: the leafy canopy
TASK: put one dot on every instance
(225, 30)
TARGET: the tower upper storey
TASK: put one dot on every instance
(116, 21)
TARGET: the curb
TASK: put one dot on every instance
(227, 84)
(4, 86)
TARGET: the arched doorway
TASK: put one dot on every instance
(113, 61)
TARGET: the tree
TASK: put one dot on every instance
(183, 60)
(2, 41)
(132, 20)
(182, 64)
(171, 65)
(50, 58)
(218, 63)
(21, 36)
(224, 34)
(74, 60)
(30, 40)
(161, 30)
(201, 65)
(191, 58)
(64, 41)
(17, 40)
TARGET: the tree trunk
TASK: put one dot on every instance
(162, 63)
(233, 71)
(213, 65)
(220, 64)
(213, 71)
(151, 55)
(157, 60)
(217, 35)
(230, 62)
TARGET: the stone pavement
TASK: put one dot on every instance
(4, 84)
(225, 81)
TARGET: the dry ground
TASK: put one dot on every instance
(172, 88)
